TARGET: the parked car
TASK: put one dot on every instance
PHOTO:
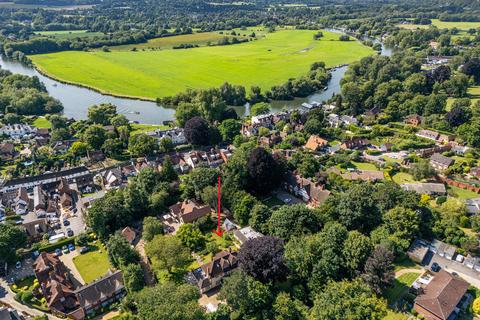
(57, 226)
(58, 252)
(435, 267)
(66, 222)
(65, 249)
(69, 232)
(18, 265)
(83, 250)
(71, 247)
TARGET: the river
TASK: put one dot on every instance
(76, 100)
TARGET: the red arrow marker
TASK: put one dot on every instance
(219, 231)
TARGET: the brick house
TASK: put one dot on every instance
(310, 192)
(189, 211)
(413, 120)
(354, 143)
(440, 299)
(315, 143)
(210, 275)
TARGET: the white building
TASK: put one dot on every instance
(473, 205)
(18, 131)
(177, 135)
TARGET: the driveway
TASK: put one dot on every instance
(67, 260)
(209, 300)
(25, 271)
(470, 275)
(287, 198)
(77, 222)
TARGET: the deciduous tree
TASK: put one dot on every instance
(262, 258)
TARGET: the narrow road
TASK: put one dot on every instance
(7, 297)
(147, 271)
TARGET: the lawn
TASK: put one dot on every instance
(405, 263)
(42, 123)
(69, 34)
(443, 25)
(403, 177)
(265, 62)
(392, 315)
(474, 95)
(365, 166)
(143, 128)
(93, 264)
(462, 193)
(400, 287)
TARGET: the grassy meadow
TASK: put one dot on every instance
(149, 74)
(442, 25)
(199, 39)
(69, 34)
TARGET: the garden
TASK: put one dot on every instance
(94, 263)
(27, 291)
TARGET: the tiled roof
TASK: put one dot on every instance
(442, 294)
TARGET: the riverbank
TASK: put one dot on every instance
(81, 85)
(265, 63)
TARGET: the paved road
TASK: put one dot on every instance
(472, 276)
(7, 297)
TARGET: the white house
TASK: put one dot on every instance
(17, 131)
(176, 135)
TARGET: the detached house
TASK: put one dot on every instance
(355, 143)
(315, 143)
(210, 275)
(440, 162)
(176, 135)
(441, 298)
(189, 211)
(428, 134)
(414, 120)
(313, 194)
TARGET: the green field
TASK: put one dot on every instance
(443, 25)
(69, 34)
(143, 128)
(473, 94)
(42, 123)
(199, 39)
(150, 74)
(93, 264)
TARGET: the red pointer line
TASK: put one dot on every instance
(219, 231)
